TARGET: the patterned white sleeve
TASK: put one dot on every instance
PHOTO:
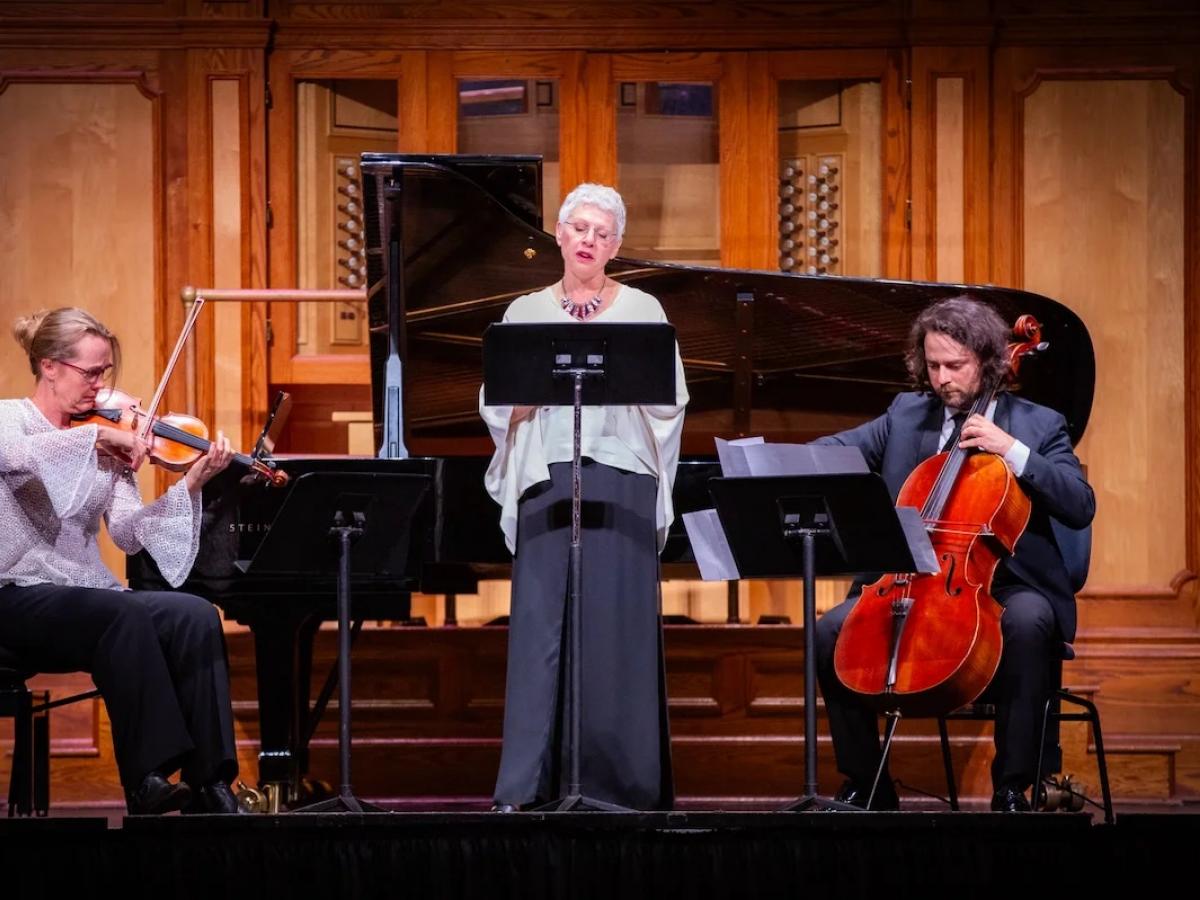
(63, 460)
(169, 528)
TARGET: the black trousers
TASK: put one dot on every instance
(1019, 691)
(158, 659)
(625, 746)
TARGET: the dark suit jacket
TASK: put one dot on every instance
(908, 433)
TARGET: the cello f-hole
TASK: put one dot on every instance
(950, 590)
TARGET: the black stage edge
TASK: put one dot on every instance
(543, 855)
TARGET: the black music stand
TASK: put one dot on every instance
(582, 364)
(351, 523)
(830, 524)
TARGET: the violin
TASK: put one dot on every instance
(927, 644)
(175, 440)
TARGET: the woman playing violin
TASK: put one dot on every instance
(956, 352)
(158, 658)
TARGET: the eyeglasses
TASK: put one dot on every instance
(603, 235)
(96, 375)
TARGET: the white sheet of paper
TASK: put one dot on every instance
(803, 459)
(732, 455)
(709, 545)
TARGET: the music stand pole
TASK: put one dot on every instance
(346, 535)
(811, 799)
(810, 665)
(575, 785)
(575, 798)
(345, 801)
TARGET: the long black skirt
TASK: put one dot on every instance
(625, 744)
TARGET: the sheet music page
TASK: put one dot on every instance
(918, 539)
(732, 455)
(803, 459)
(710, 546)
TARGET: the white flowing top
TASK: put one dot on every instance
(54, 490)
(640, 439)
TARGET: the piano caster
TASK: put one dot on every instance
(252, 800)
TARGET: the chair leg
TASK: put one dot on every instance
(1092, 715)
(1101, 762)
(41, 761)
(20, 785)
(948, 764)
(1035, 801)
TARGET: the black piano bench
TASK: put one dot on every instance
(29, 780)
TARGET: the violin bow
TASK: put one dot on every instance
(188, 325)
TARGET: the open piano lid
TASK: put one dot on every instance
(789, 357)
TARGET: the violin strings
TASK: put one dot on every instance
(162, 429)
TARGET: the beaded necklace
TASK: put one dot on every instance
(582, 310)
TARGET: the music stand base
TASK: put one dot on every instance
(342, 803)
(815, 803)
(580, 803)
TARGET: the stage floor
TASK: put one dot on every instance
(588, 854)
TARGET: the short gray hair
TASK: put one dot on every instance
(600, 196)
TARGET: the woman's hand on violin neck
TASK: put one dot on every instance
(125, 446)
(215, 460)
(984, 434)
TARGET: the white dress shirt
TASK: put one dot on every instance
(1017, 456)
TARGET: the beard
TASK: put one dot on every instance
(959, 398)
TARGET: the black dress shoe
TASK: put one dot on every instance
(856, 795)
(213, 799)
(155, 796)
(1009, 799)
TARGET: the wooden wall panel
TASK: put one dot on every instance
(1103, 207)
(82, 219)
(951, 183)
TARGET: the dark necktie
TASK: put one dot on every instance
(958, 418)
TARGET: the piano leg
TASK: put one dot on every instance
(283, 663)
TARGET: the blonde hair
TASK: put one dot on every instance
(53, 334)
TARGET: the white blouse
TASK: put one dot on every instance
(54, 490)
(640, 439)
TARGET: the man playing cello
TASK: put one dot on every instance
(956, 351)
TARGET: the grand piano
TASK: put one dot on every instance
(451, 240)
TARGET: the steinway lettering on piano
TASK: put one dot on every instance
(788, 357)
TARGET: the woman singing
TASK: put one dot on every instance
(629, 455)
(158, 658)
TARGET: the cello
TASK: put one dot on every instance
(922, 645)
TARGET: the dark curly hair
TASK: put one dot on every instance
(973, 324)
